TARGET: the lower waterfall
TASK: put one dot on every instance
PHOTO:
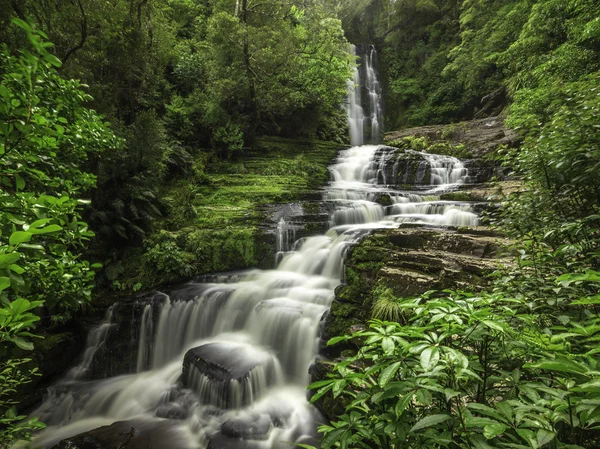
(225, 364)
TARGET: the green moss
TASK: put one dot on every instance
(311, 207)
(385, 200)
(456, 196)
(213, 225)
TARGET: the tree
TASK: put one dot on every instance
(46, 135)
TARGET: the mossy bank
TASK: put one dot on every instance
(213, 221)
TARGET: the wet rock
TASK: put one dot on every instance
(220, 441)
(480, 137)
(228, 375)
(250, 427)
(135, 434)
(408, 261)
(171, 411)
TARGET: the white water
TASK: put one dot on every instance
(266, 323)
(371, 122)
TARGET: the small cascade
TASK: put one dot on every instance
(230, 375)
(445, 169)
(95, 342)
(285, 237)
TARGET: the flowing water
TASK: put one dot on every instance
(246, 342)
(365, 109)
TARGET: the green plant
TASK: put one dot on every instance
(472, 371)
(164, 261)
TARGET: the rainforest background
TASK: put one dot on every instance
(110, 182)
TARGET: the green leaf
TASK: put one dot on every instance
(430, 421)
(320, 393)
(19, 182)
(336, 340)
(39, 223)
(16, 269)
(545, 436)
(388, 345)
(319, 384)
(333, 436)
(474, 421)
(52, 60)
(8, 259)
(47, 229)
(4, 283)
(493, 325)
(430, 358)
(493, 430)
(528, 436)
(388, 373)
(19, 237)
(560, 364)
(22, 24)
(402, 404)
(338, 387)
(21, 343)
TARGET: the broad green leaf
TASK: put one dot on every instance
(16, 268)
(430, 358)
(21, 343)
(430, 421)
(529, 436)
(4, 283)
(39, 223)
(22, 24)
(479, 443)
(338, 387)
(474, 421)
(402, 404)
(545, 436)
(333, 436)
(388, 373)
(19, 237)
(47, 229)
(8, 259)
(333, 340)
(388, 345)
(320, 393)
(319, 384)
(493, 430)
(493, 325)
(560, 364)
(19, 182)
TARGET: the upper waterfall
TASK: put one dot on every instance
(365, 109)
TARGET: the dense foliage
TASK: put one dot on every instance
(185, 83)
(47, 135)
(515, 366)
(487, 371)
(447, 60)
(192, 87)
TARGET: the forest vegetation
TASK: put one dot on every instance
(124, 122)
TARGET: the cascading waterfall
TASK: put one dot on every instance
(365, 112)
(374, 93)
(356, 114)
(245, 342)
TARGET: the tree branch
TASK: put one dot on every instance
(83, 34)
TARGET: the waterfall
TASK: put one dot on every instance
(356, 114)
(365, 112)
(223, 361)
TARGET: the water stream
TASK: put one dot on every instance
(245, 344)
